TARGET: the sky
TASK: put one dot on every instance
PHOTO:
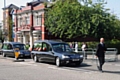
(113, 5)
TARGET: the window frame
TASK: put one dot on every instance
(48, 47)
(37, 48)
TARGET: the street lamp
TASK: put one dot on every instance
(4, 28)
(4, 34)
(4, 14)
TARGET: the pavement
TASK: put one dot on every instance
(107, 58)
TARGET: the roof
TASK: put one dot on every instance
(50, 41)
(34, 3)
(11, 6)
(14, 42)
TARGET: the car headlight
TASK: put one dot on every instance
(63, 56)
(81, 56)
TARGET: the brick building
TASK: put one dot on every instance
(29, 22)
(7, 21)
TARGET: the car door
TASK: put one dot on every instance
(4, 48)
(10, 51)
(0, 48)
(37, 50)
(48, 55)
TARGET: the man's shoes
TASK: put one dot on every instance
(101, 70)
(98, 67)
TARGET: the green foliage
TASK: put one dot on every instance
(114, 43)
(70, 19)
(10, 22)
(1, 36)
(27, 47)
(67, 17)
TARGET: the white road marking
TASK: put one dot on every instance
(74, 69)
(28, 63)
(117, 64)
(56, 68)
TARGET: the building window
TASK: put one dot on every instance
(20, 21)
(38, 20)
(27, 20)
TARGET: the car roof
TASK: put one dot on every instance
(50, 41)
(13, 42)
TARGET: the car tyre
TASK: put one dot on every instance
(32, 56)
(35, 58)
(3, 54)
(58, 63)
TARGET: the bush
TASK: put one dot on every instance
(114, 43)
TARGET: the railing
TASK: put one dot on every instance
(110, 54)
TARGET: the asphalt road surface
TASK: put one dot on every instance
(29, 70)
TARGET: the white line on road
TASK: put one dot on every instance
(30, 63)
(117, 64)
(74, 69)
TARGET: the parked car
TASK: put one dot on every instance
(8, 49)
(56, 52)
(0, 47)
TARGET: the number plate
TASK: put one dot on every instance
(75, 60)
(27, 54)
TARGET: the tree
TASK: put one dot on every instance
(66, 17)
(70, 19)
(10, 32)
(9, 26)
(1, 36)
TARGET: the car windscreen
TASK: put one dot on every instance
(20, 46)
(61, 47)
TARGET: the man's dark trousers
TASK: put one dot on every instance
(101, 62)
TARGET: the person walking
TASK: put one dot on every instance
(100, 53)
(84, 47)
(76, 46)
(71, 46)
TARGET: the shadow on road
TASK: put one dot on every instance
(81, 65)
(85, 65)
(113, 72)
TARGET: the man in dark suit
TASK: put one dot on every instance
(101, 53)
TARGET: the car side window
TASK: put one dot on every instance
(37, 46)
(4, 46)
(46, 47)
(9, 46)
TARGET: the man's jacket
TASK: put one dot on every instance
(101, 50)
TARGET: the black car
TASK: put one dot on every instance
(56, 52)
(9, 49)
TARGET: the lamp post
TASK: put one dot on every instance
(4, 14)
(4, 35)
(4, 28)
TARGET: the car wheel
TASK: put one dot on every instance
(35, 58)
(58, 63)
(3, 54)
(31, 56)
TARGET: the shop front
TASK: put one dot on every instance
(28, 36)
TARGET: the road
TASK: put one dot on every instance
(29, 70)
